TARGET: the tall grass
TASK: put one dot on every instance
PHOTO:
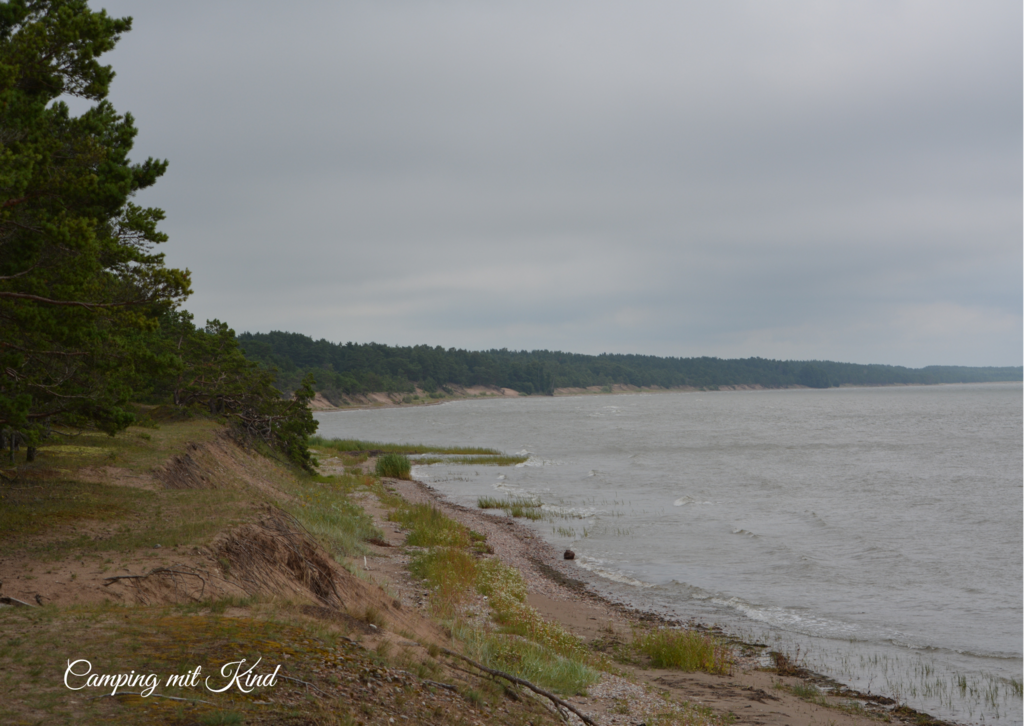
(506, 592)
(513, 506)
(428, 527)
(396, 466)
(684, 650)
(533, 662)
(451, 571)
(346, 445)
(325, 510)
(478, 460)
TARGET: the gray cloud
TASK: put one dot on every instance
(799, 180)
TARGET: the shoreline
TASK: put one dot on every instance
(568, 595)
(380, 399)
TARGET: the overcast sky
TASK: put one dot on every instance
(831, 180)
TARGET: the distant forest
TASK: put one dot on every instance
(352, 368)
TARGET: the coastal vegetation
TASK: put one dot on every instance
(513, 506)
(684, 650)
(394, 465)
(415, 453)
(353, 368)
(90, 324)
(355, 446)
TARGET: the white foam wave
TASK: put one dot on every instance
(531, 462)
(781, 617)
(595, 566)
(571, 512)
(685, 501)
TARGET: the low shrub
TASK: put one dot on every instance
(396, 466)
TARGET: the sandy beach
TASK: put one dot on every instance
(756, 692)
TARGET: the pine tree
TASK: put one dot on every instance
(81, 287)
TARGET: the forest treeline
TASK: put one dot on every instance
(92, 335)
(351, 368)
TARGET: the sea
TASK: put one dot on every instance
(874, 534)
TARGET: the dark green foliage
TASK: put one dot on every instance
(354, 368)
(209, 374)
(88, 319)
(80, 285)
(396, 466)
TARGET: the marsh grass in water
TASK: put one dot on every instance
(514, 506)
(970, 696)
(477, 455)
(481, 460)
(350, 445)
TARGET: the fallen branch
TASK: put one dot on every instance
(519, 681)
(289, 678)
(152, 695)
(447, 686)
(14, 601)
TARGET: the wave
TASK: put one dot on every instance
(805, 623)
(596, 566)
(686, 500)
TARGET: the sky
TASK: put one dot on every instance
(790, 180)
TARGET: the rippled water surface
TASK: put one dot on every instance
(877, 529)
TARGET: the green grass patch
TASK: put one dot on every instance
(350, 445)
(323, 507)
(396, 466)
(450, 571)
(30, 507)
(428, 526)
(684, 650)
(506, 593)
(482, 460)
(533, 662)
(810, 693)
(165, 641)
(137, 449)
(44, 518)
(513, 506)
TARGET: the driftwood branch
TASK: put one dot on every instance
(14, 601)
(447, 686)
(305, 683)
(152, 695)
(519, 681)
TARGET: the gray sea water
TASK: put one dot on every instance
(876, 531)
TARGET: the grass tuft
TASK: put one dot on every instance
(486, 460)
(396, 466)
(524, 507)
(428, 527)
(518, 656)
(684, 650)
(357, 445)
(451, 571)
